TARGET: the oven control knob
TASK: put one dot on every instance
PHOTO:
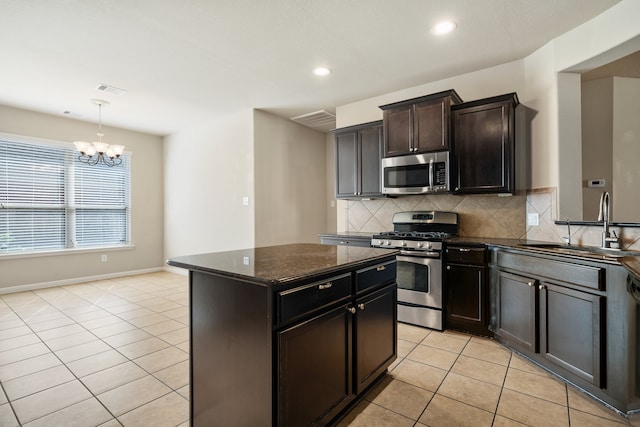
(419, 244)
(429, 245)
(388, 243)
(403, 243)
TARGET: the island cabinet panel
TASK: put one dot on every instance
(230, 348)
(376, 335)
(484, 145)
(315, 369)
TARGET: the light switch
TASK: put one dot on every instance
(533, 219)
(245, 200)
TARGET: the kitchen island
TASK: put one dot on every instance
(287, 335)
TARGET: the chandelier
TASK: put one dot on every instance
(98, 151)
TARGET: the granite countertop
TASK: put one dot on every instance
(277, 265)
(631, 263)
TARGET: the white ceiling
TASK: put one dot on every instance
(185, 62)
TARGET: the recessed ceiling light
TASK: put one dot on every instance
(321, 71)
(444, 27)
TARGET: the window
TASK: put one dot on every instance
(51, 201)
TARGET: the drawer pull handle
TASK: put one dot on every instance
(351, 310)
(325, 286)
(464, 250)
(361, 306)
(343, 242)
(381, 268)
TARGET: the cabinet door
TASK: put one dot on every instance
(314, 369)
(370, 161)
(466, 306)
(483, 148)
(398, 131)
(571, 331)
(346, 164)
(517, 314)
(430, 126)
(376, 335)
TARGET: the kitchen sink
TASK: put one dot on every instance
(577, 250)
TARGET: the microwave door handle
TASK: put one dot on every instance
(431, 172)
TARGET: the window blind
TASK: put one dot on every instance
(50, 201)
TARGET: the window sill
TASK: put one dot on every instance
(58, 252)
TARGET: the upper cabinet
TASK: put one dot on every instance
(418, 125)
(358, 156)
(483, 145)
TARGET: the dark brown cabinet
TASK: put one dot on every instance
(358, 156)
(466, 289)
(376, 335)
(484, 145)
(327, 357)
(517, 310)
(553, 311)
(571, 331)
(418, 125)
(315, 369)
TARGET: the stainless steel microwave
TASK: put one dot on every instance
(416, 173)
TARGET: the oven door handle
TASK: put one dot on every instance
(420, 254)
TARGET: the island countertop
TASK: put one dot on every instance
(278, 265)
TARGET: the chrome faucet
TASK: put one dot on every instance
(567, 238)
(603, 216)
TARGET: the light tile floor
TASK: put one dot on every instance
(115, 352)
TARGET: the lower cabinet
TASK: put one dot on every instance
(315, 369)
(324, 362)
(376, 335)
(556, 322)
(466, 290)
(571, 328)
(517, 310)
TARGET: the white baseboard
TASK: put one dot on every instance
(75, 280)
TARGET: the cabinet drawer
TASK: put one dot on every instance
(299, 301)
(466, 255)
(569, 273)
(376, 276)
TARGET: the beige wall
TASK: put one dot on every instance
(146, 206)
(332, 217)
(208, 171)
(290, 179)
(626, 150)
(597, 143)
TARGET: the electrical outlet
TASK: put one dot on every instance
(245, 260)
(245, 200)
(533, 219)
(103, 258)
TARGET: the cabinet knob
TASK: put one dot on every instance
(325, 286)
(448, 267)
(381, 268)
(530, 284)
(351, 310)
(541, 287)
(361, 306)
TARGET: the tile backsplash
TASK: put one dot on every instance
(483, 216)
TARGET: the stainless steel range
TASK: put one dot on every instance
(419, 236)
